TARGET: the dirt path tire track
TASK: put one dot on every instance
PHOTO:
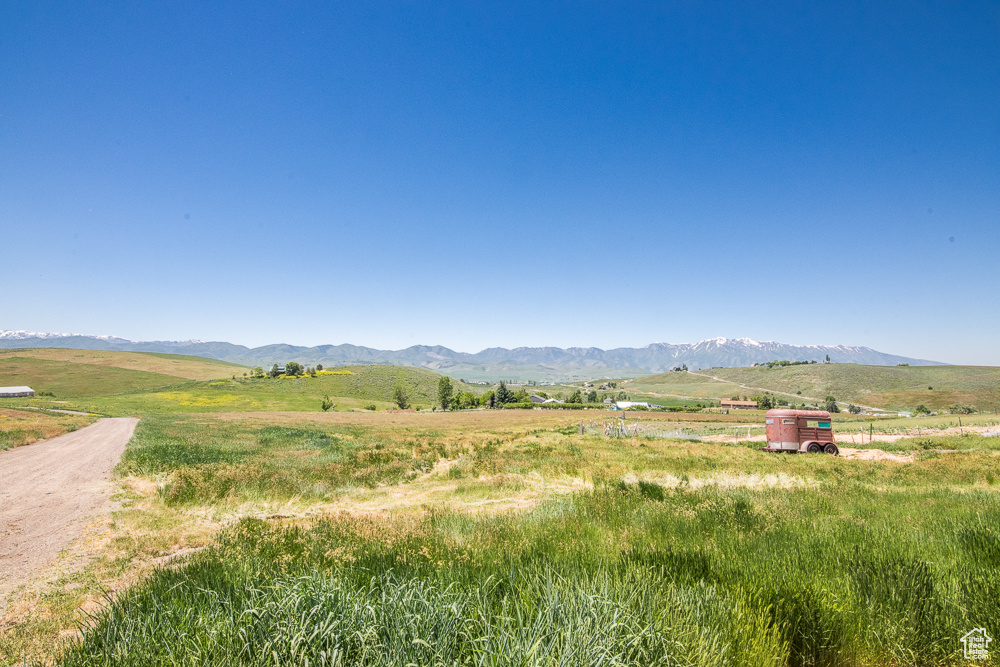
(49, 491)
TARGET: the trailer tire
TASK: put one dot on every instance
(831, 449)
(814, 448)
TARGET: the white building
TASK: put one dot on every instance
(12, 392)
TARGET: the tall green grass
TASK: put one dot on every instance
(846, 575)
(240, 462)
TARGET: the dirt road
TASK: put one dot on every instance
(49, 491)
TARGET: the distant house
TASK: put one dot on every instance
(738, 405)
(13, 392)
(552, 400)
(534, 398)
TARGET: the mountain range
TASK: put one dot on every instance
(540, 364)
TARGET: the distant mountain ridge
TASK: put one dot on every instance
(525, 363)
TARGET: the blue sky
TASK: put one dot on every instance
(606, 174)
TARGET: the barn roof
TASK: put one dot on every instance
(15, 390)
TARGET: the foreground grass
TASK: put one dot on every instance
(624, 575)
(510, 538)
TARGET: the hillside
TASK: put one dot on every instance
(349, 388)
(889, 387)
(902, 387)
(76, 373)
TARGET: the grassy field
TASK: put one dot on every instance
(70, 374)
(23, 427)
(174, 365)
(117, 392)
(895, 387)
(257, 529)
(684, 385)
(885, 387)
(509, 538)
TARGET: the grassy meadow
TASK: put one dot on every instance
(70, 374)
(891, 387)
(351, 387)
(885, 387)
(256, 529)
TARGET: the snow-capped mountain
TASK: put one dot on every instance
(37, 335)
(538, 363)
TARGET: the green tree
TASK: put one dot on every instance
(831, 404)
(319, 367)
(502, 395)
(256, 372)
(592, 396)
(922, 410)
(854, 409)
(765, 401)
(326, 404)
(400, 397)
(488, 399)
(293, 368)
(575, 397)
(445, 391)
(464, 400)
(274, 371)
(961, 409)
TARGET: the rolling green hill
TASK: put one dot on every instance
(351, 387)
(68, 380)
(73, 373)
(888, 387)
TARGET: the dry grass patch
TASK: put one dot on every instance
(23, 427)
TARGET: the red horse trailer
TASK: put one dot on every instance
(800, 431)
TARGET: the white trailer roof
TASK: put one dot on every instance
(15, 390)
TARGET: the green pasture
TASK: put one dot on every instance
(890, 387)
(71, 381)
(683, 385)
(682, 553)
(115, 391)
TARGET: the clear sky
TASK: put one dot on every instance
(504, 174)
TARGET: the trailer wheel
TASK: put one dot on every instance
(814, 448)
(831, 449)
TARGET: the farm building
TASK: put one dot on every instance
(11, 392)
(738, 405)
